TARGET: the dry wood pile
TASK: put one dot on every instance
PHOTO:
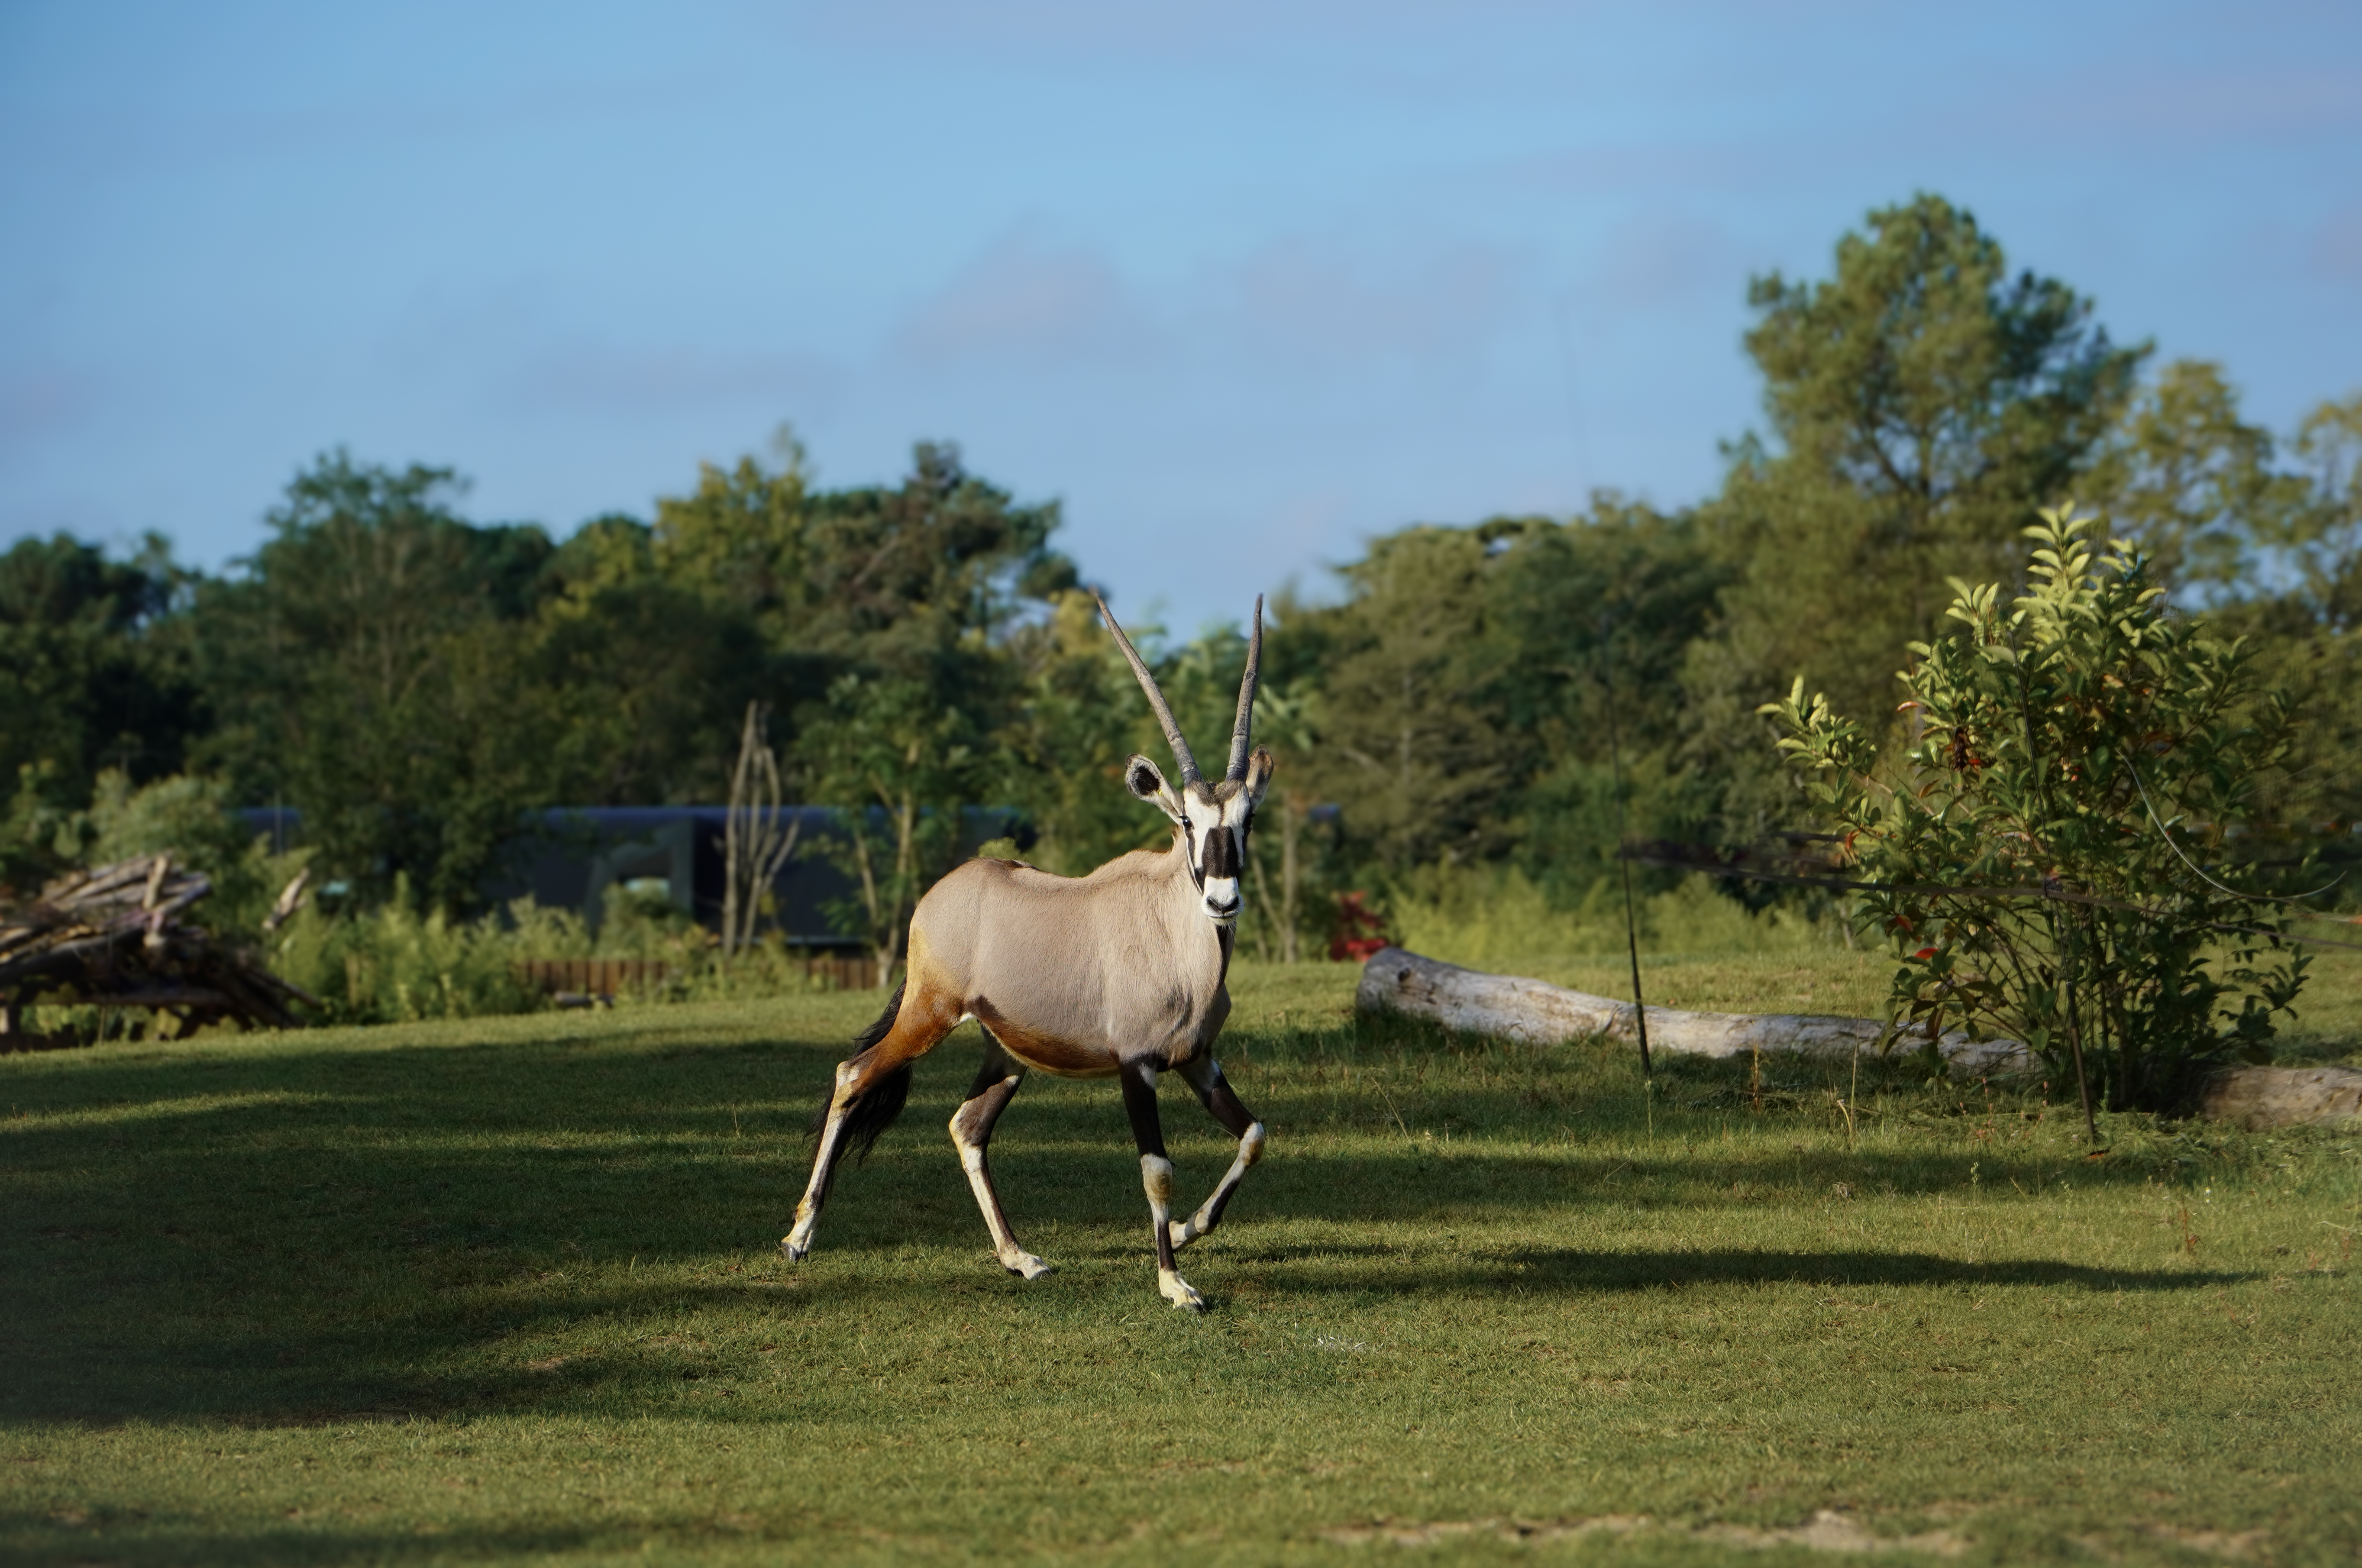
(116, 937)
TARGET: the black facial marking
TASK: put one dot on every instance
(1221, 854)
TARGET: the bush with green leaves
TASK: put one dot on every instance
(392, 964)
(2047, 850)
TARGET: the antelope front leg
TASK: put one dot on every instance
(1156, 1176)
(1205, 1076)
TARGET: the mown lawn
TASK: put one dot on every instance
(508, 1290)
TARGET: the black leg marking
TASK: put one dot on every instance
(1138, 1080)
(1205, 1076)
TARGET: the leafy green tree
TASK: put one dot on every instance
(1414, 748)
(91, 677)
(872, 576)
(1599, 611)
(2048, 851)
(2306, 626)
(902, 766)
(2326, 532)
(367, 667)
(642, 675)
(2191, 483)
(1922, 403)
(1078, 715)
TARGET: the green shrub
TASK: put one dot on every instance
(392, 964)
(2037, 842)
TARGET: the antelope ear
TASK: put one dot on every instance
(1141, 777)
(1260, 767)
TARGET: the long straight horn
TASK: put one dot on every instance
(1188, 764)
(1239, 732)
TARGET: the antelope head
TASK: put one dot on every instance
(1214, 818)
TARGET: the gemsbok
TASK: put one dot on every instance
(1119, 974)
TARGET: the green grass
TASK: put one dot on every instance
(507, 1289)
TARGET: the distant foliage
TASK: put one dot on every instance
(1494, 918)
(415, 681)
(392, 964)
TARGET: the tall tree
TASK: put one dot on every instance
(1922, 402)
(2191, 483)
(1600, 610)
(1414, 750)
(91, 674)
(2326, 535)
(366, 664)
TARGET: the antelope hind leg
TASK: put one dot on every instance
(798, 1241)
(1156, 1178)
(997, 1082)
(870, 1086)
(1205, 1076)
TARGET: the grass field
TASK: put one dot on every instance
(508, 1290)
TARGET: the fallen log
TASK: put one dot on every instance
(1540, 1013)
(1515, 1008)
(2262, 1098)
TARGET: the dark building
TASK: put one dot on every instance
(575, 853)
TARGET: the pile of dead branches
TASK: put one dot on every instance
(117, 937)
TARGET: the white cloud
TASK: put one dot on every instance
(1028, 298)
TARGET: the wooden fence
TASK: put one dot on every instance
(610, 976)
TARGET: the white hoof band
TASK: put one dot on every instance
(1179, 1291)
(1026, 1265)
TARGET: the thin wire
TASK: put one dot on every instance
(2161, 833)
(2061, 894)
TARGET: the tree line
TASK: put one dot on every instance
(416, 681)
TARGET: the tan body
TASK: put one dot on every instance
(1050, 964)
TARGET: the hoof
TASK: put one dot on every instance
(794, 1250)
(1181, 1293)
(1180, 1233)
(1025, 1265)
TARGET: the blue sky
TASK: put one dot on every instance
(1242, 285)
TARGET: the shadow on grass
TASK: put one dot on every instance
(43, 1539)
(314, 1235)
(1572, 1271)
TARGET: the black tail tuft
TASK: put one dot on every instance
(867, 1118)
(875, 1111)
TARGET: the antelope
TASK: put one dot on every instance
(1119, 973)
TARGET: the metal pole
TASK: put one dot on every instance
(1631, 926)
